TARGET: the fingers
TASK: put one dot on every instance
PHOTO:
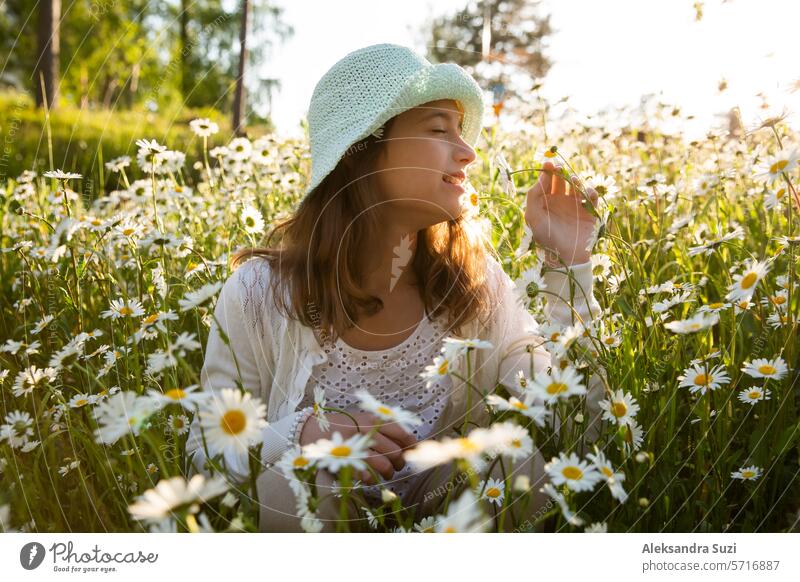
(546, 177)
(395, 432)
(390, 449)
(560, 186)
(380, 463)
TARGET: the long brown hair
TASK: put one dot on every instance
(319, 263)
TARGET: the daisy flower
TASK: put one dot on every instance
(750, 473)
(197, 298)
(528, 285)
(123, 308)
(117, 164)
(754, 394)
(240, 148)
(526, 407)
(613, 478)
(559, 383)
(62, 175)
(81, 400)
(407, 420)
(252, 220)
(43, 323)
(335, 453)
(29, 379)
(505, 438)
(601, 265)
(319, 405)
(175, 493)
(122, 413)
(17, 429)
(779, 300)
(697, 322)
(179, 423)
(633, 438)
(438, 369)
(597, 527)
(578, 475)
(700, 378)
(570, 517)
(620, 408)
(493, 490)
(232, 421)
(714, 307)
(463, 516)
(773, 166)
(189, 397)
(203, 127)
(453, 348)
(774, 369)
(744, 283)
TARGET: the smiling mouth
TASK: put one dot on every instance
(452, 180)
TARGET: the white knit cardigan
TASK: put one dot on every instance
(276, 355)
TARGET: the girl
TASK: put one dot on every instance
(359, 287)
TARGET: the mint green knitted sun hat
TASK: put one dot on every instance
(369, 86)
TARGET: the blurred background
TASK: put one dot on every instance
(113, 71)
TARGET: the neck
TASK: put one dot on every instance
(389, 267)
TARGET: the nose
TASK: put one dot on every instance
(464, 153)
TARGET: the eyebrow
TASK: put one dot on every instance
(444, 115)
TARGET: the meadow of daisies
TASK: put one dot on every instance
(107, 303)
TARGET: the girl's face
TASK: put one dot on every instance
(424, 155)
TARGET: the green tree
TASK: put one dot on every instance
(497, 41)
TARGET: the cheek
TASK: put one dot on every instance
(416, 166)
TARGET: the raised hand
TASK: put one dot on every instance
(558, 219)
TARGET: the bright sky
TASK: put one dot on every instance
(605, 53)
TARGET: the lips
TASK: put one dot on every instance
(457, 178)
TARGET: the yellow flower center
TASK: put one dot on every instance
(516, 443)
(125, 310)
(766, 369)
(701, 380)
(572, 472)
(715, 305)
(607, 472)
(128, 231)
(619, 409)
(778, 166)
(175, 394)
(754, 394)
(300, 462)
(780, 193)
(233, 422)
(467, 445)
(473, 199)
(748, 280)
(778, 299)
(493, 492)
(556, 388)
(554, 337)
(748, 474)
(384, 410)
(609, 340)
(449, 529)
(694, 326)
(150, 319)
(443, 367)
(341, 451)
(81, 402)
(518, 405)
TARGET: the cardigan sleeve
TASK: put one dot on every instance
(570, 298)
(230, 360)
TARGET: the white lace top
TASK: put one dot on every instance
(392, 376)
